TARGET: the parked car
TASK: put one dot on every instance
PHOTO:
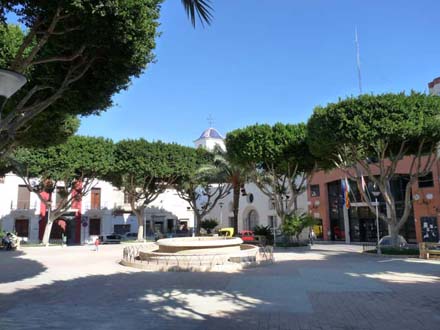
(247, 235)
(110, 239)
(386, 241)
(228, 232)
(129, 236)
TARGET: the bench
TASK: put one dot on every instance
(427, 249)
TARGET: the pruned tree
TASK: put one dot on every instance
(279, 158)
(75, 54)
(69, 169)
(209, 224)
(202, 185)
(369, 135)
(144, 170)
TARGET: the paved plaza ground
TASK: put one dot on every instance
(326, 287)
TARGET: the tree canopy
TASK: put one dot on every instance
(386, 125)
(144, 170)
(203, 184)
(75, 54)
(370, 134)
(70, 168)
(280, 158)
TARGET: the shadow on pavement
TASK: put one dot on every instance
(332, 292)
(14, 268)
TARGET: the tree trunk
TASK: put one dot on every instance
(47, 228)
(394, 233)
(235, 207)
(198, 219)
(140, 220)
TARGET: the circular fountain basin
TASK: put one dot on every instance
(199, 245)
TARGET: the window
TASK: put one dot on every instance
(121, 229)
(314, 190)
(95, 202)
(426, 181)
(61, 195)
(22, 227)
(127, 198)
(95, 227)
(272, 220)
(24, 197)
(170, 224)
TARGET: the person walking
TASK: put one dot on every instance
(312, 236)
(97, 242)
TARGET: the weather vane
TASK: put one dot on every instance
(210, 120)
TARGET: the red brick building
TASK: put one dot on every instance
(358, 223)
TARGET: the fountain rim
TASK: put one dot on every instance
(203, 241)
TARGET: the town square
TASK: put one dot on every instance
(205, 164)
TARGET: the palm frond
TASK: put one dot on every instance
(198, 8)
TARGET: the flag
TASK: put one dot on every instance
(346, 192)
(363, 184)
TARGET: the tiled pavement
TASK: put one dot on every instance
(328, 287)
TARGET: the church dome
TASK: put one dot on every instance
(211, 133)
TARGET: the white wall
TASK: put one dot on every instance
(168, 204)
(9, 211)
(260, 204)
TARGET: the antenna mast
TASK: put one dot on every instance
(358, 59)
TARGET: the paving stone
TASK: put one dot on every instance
(323, 288)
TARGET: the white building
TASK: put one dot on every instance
(255, 208)
(105, 209)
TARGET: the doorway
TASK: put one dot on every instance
(71, 232)
(251, 220)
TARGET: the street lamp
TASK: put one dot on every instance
(376, 194)
(287, 200)
(10, 83)
(221, 212)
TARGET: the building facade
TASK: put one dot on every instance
(105, 210)
(358, 223)
(255, 208)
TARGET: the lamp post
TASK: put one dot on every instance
(287, 200)
(376, 194)
(10, 83)
(221, 212)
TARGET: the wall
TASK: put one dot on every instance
(423, 207)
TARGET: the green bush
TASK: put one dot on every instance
(294, 224)
(265, 231)
(209, 224)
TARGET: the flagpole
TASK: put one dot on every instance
(358, 59)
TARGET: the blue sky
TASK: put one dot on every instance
(267, 61)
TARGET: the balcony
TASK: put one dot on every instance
(23, 205)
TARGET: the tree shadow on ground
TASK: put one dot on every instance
(331, 292)
(15, 268)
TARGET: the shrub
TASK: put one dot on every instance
(209, 224)
(293, 225)
(265, 231)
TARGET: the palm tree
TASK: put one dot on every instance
(236, 176)
(200, 8)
